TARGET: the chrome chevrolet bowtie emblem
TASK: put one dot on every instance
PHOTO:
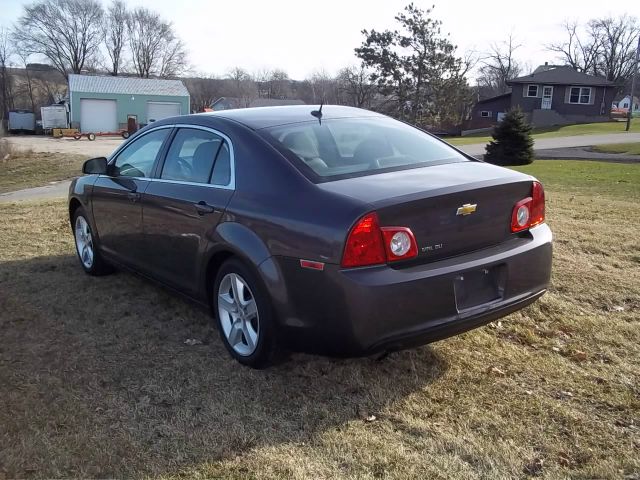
(467, 209)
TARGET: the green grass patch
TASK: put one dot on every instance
(562, 131)
(587, 178)
(628, 148)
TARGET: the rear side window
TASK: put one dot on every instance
(192, 156)
(343, 148)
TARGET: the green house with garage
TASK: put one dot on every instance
(111, 104)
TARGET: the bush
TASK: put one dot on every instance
(512, 143)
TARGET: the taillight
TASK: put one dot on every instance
(537, 208)
(370, 244)
(399, 242)
(529, 211)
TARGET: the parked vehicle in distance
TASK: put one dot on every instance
(337, 230)
(22, 121)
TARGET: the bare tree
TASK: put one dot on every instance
(604, 47)
(356, 84)
(579, 52)
(67, 32)
(498, 66)
(203, 90)
(155, 49)
(6, 95)
(243, 86)
(323, 87)
(173, 60)
(279, 84)
(617, 37)
(26, 87)
(115, 35)
(5, 78)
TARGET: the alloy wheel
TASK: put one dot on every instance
(238, 313)
(84, 242)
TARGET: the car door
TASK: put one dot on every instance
(184, 203)
(116, 198)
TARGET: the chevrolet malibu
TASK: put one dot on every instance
(335, 230)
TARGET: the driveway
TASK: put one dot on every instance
(565, 142)
(100, 147)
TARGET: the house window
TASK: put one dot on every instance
(532, 90)
(485, 114)
(580, 95)
(625, 105)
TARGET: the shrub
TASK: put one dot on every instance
(512, 143)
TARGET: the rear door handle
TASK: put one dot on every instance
(133, 196)
(203, 208)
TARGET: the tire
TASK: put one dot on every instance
(125, 134)
(250, 339)
(76, 136)
(88, 254)
(91, 136)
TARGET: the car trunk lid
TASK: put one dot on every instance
(451, 209)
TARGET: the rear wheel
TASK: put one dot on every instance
(90, 259)
(244, 315)
(91, 136)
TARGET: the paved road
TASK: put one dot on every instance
(565, 142)
(48, 192)
(104, 146)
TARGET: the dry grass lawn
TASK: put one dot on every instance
(23, 168)
(96, 381)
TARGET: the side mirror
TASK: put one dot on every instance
(95, 166)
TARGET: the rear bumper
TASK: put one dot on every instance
(372, 309)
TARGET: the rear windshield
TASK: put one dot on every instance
(352, 147)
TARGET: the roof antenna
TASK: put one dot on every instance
(318, 113)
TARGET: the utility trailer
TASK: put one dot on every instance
(54, 116)
(22, 121)
(92, 135)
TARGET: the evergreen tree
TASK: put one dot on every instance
(512, 143)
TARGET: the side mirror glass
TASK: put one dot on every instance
(95, 166)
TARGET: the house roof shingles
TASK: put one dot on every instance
(562, 76)
(126, 85)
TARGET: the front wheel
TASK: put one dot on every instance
(90, 259)
(244, 315)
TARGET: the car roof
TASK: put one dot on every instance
(264, 117)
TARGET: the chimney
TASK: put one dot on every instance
(546, 64)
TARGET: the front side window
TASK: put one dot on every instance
(349, 147)
(485, 114)
(580, 95)
(192, 155)
(137, 158)
(532, 90)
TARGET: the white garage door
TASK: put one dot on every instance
(98, 115)
(159, 110)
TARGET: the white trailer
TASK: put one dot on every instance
(54, 116)
(22, 121)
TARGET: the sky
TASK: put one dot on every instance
(303, 36)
